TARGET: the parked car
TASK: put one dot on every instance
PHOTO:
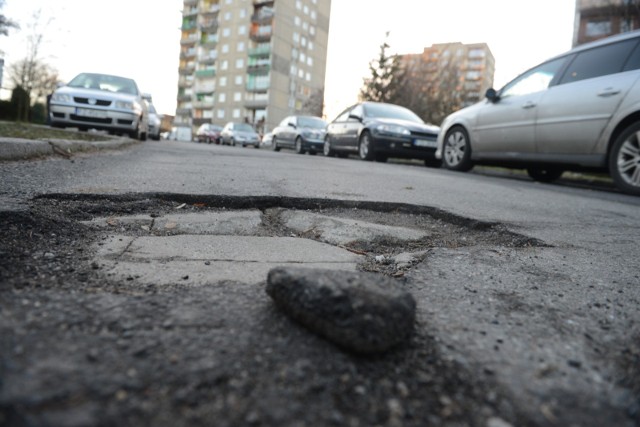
(576, 111)
(302, 133)
(239, 133)
(155, 120)
(208, 133)
(377, 131)
(103, 102)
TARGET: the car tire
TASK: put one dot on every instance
(327, 150)
(232, 142)
(456, 151)
(299, 148)
(545, 174)
(365, 148)
(624, 160)
(274, 144)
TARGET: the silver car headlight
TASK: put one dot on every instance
(393, 130)
(125, 105)
(60, 97)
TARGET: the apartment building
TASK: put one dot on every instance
(596, 19)
(255, 61)
(454, 74)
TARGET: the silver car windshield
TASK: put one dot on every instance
(104, 82)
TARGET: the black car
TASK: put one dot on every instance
(377, 131)
(302, 133)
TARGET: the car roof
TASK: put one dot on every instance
(601, 42)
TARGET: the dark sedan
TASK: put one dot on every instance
(302, 133)
(377, 131)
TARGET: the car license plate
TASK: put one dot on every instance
(425, 143)
(86, 112)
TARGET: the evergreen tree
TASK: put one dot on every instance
(386, 79)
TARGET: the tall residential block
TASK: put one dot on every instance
(446, 68)
(255, 61)
(596, 19)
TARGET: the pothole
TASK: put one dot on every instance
(203, 240)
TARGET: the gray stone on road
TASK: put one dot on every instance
(361, 312)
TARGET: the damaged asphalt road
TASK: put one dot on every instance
(509, 329)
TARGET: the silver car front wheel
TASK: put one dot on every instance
(457, 150)
(624, 160)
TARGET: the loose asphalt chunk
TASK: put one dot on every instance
(361, 312)
(340, 231)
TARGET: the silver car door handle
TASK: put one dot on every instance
(608, 92)
(529, 104)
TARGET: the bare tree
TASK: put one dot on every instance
(314, 105)
(31, 74)
(432, 89)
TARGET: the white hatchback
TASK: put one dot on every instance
(577, 111)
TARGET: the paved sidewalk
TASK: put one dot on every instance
(12, 149)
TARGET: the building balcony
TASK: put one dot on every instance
(259, 69)
(262, 18)
(209, 40)
(186, 71)
(191, 39)
(209, 72)
(214, 9)
(188, 25)
(186, 54)
(205, 104)
(190, 2)
(209, 26)
(190, 11)
(205, 89)
(184, 97)
(262, 2)
(256, 103)
(262, 51)
(184, 112)
(261, 33)
(207, 60)
(257, 88)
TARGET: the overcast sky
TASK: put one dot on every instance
(141, 38)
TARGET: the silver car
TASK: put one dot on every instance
(577, 111)
(103, 102)
(239, 133)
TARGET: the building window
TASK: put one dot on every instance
(242, 30)
(240, 46)
(237, 96)
(221, 114)
(226, 32)
(222, 81)
(239, 63)
(308, 77)
(227, 16)
(236, 113)
(238, 80)
(243, 13)
(222, 97)
(313, 14)
(310, 61)
(298, 4)
(224, 65)
(598, 28)
(297, 21)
